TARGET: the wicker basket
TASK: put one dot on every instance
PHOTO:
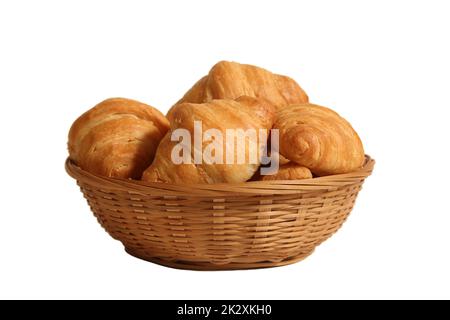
(222, 226)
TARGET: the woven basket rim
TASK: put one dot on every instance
(319, 184)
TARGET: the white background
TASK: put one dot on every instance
(384, 65)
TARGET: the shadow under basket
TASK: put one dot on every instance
(222, 226)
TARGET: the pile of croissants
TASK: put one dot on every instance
(124, 138)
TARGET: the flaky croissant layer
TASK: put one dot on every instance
(230, 80)
(319, 139)
(117, 138)
(243, 113)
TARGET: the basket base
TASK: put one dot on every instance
(207, 266)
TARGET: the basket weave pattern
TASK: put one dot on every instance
(222, 226)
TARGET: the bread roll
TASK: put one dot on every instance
(282, 160)
(318, 138)
(242, 113)
(117, 138)
(230, 80)
(290, 171)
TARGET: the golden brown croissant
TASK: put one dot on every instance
(230, 80)
(289, 171)
(318, 138)
(117, 138)
(243, 113)
(282, 160)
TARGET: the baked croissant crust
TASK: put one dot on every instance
(117, 138)
(242, 113)
(318, 138)
(282, 160)
(230, 80)
(289, 171)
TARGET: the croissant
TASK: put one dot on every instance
(230, 80)
(243, 113)
(117, 138)
(318, 138)
(289, 171)
(282, 160)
